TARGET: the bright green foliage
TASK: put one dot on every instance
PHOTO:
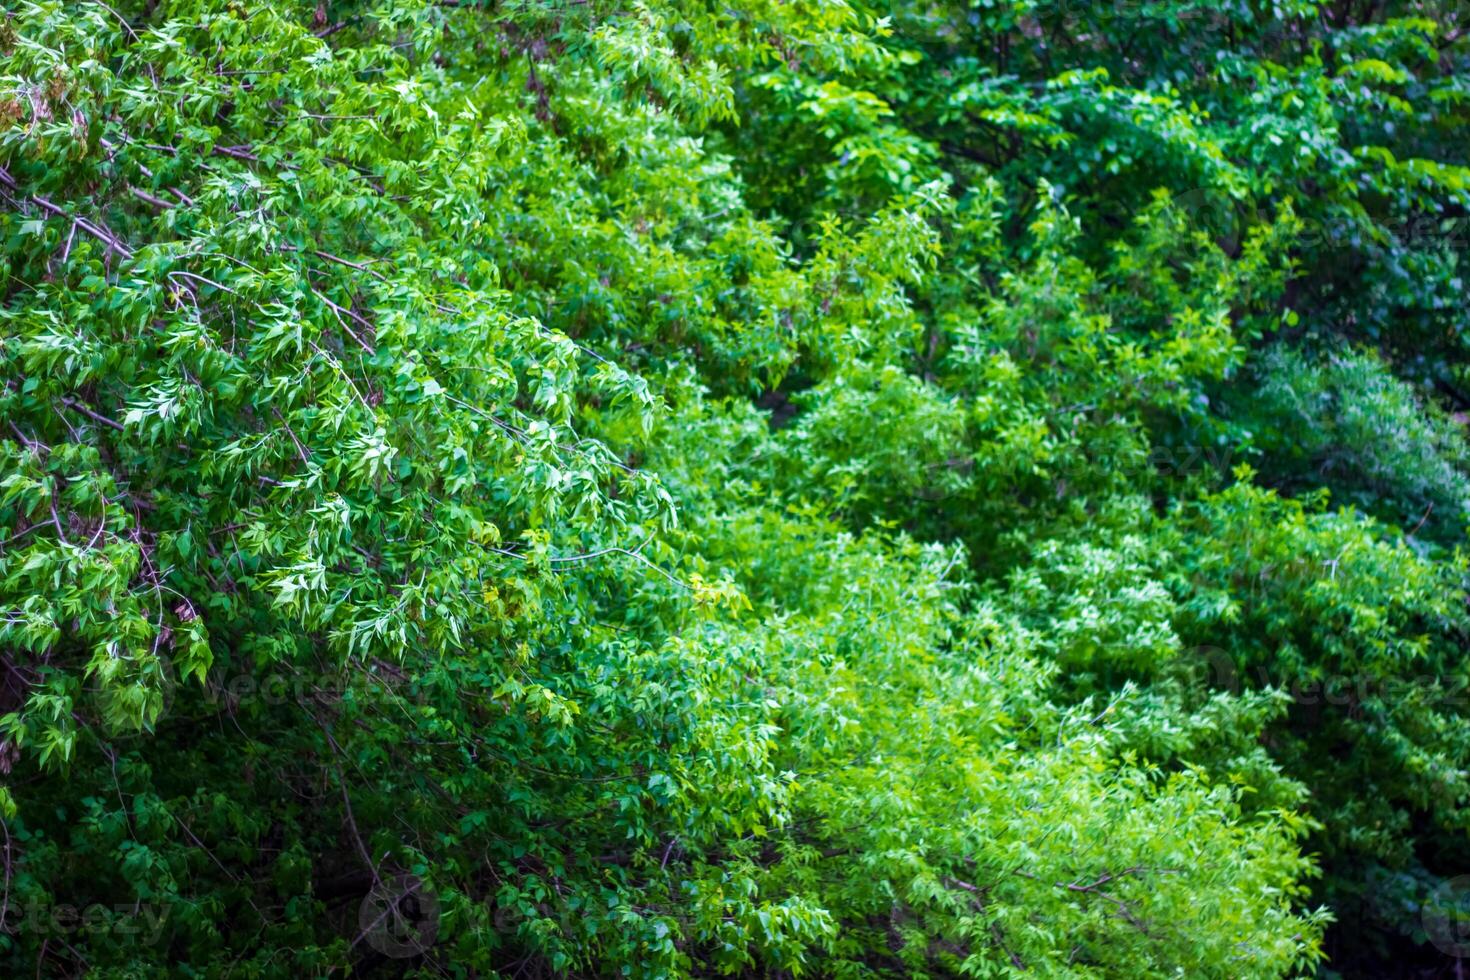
(753, 490)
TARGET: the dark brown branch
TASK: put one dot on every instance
(79, 407)
(92, 228)
(147, 198)
(236, 153)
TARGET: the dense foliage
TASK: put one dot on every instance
(565, 488)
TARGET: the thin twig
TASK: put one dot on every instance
(338, 259)
(340, 311)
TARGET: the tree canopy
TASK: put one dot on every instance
(780, 488)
